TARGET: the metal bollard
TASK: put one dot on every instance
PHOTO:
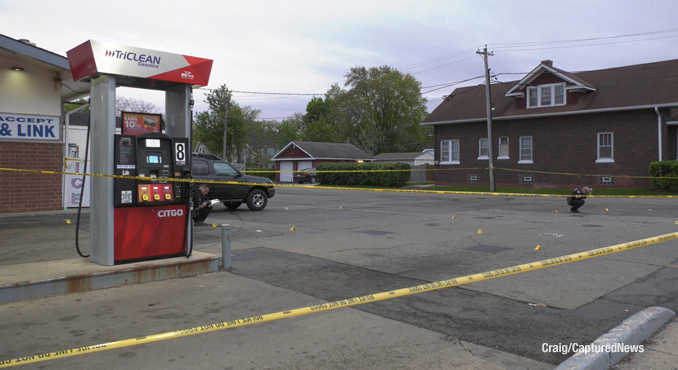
(225, 247)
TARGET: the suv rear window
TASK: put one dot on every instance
(200, 167)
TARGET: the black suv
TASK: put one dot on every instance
(212, 168)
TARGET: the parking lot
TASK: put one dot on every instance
(351, 243)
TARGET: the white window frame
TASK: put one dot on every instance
(480, 149)
(507, 148)
(609, 159)
(454, 151)
(531, 90)
(552, 95)
(450, 152)
(520, 153)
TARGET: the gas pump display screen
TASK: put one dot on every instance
(153, 159)
(153, 143)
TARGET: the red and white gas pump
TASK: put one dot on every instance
(139, 219)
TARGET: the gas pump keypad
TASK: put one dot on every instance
(156, 157)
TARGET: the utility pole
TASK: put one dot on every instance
(488, 104)
(223, 151)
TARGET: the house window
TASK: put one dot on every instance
(482, 149)
(454, 150)
(449, 151)
(525, 149)
(527, 179)
(472, 179)
(559, 95)
(546, 95)
(605, 151)
(503, 148)
(533, 98)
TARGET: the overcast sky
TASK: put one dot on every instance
(304, 47)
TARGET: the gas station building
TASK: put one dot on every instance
(34, 83)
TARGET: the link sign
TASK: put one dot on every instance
(27, 127)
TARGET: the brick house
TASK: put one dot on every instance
(299, 155)
(604, 124)
(33, 84)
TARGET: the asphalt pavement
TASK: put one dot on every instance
(351, 243)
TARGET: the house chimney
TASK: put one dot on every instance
(548, 63)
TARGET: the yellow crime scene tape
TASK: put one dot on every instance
(450, 192)
(342, 303)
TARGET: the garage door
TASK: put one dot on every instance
(286, 171)
(302, 165)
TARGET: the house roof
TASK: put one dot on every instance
(317, 150)
(24, 52)
(399, 156)
(616, 89)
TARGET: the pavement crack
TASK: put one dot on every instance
(461, 343)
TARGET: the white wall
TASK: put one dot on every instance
(31, 91)
(424, 158)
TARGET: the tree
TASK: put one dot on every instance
(290, 129)
(133, 105)
(75, 105)
(315, 125)
(380, 111)
(208, 126)
(261, 143)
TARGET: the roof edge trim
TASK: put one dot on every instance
(570, 113)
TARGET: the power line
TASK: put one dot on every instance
(454, 83)
(507, 45)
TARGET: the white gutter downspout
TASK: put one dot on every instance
(659, 132)
(66, 129)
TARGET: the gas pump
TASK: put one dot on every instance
(149, 218)
(152, 216)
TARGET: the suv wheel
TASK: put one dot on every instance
(232, 205)
(256, 200)
(313, 180)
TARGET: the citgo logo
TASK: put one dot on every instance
(170, 213)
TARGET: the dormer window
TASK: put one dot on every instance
(546, 95)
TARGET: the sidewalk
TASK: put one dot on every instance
(660, 351)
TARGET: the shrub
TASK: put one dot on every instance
(350, 174)
(664, 169)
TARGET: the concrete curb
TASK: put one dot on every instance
(79, 275)
(632, 331)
